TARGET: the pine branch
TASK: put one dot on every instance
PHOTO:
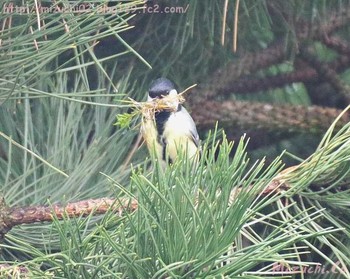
(4, 213)
(280, 118)
(252, 84)
(337, 44)
(247, 63)
(11, 217)
(235, 76)
(326, 73)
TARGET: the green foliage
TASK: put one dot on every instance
(79, 140)
(57, 115)
(31, 47)
(204, 220)
(124, 120)
(194, 220)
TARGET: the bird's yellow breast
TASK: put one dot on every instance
(150, 135)
(179, 138)
(175, 138)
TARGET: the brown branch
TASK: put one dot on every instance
(31, 214)
(4, 212)
(267, 117)
(337, 44)
(327, 73)
(252, 84)
(34, 214)
(11, 217)
(138, 143)
(246, 64)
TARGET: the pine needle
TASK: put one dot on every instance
(33, 154)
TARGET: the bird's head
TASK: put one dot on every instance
(160, 88)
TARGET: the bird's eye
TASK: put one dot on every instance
(153, 94)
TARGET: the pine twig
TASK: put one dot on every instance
(138, 143)
(281, 118)
(11, 217)
(235, 27)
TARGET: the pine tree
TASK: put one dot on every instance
(80, 199)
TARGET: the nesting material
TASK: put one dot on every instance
(150, 108)
(167, 103)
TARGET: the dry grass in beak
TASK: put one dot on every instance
(166, 103)
(149, 109)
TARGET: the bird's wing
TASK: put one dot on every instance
(192, 127)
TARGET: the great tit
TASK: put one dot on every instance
(171, 131)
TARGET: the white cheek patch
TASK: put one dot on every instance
(173, 93)
(173, 100)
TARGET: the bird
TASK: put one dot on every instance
(172, 130)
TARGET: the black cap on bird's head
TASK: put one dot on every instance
(160, 87)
